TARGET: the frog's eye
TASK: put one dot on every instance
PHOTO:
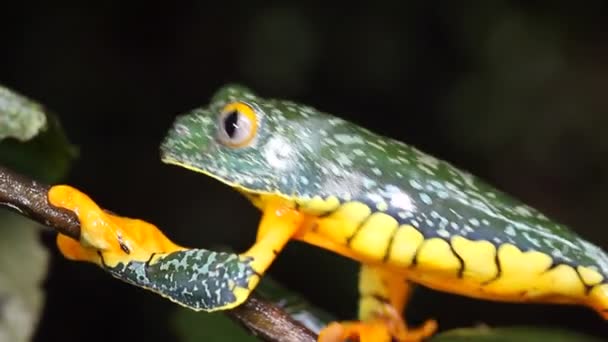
(237, 125)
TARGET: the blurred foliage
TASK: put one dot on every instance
(34, 143)
(23, 266)
(528, 334)
(28, 144)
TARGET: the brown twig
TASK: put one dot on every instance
(29, 198)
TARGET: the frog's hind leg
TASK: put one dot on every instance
(383, 296)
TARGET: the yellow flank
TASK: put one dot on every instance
(374, 236)
(405, 243)
(318, 206)
(520, 271)
(478, 258)
(590, 276)
(340, 225)
(435, 255)
(515, 263)
(561, 280)
(598, 299)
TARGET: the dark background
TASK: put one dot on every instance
(515, 92)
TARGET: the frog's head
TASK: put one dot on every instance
(253, 144)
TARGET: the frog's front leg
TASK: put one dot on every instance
(139, 253)
(280, 222)
(106, 239)
(383, 296)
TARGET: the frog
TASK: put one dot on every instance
(409, 219)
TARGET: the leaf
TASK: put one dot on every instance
(528, 334)
(23, 264)
(20, 117)
(32, 141)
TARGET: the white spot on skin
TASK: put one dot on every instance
(426, 170)
(349, 139)
(373, 144)
(279, 154)
(377, 171)
(344, 160)
(443, 233)
(426, 199)
(523, 211)
(510, 230)
(414, 183)
(428, 160)
(402, 201)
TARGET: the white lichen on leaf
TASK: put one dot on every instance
(20, 117)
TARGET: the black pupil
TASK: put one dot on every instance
(231, 123)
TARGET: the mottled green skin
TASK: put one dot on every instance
(198, 279)
(301, 152)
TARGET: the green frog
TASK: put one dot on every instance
(408, 218)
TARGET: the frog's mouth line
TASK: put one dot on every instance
(239, 187)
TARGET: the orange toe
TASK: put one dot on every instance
(386, 328)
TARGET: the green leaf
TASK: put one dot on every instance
(32, 141)
(23, 264)
(20, 117)
(528, 334)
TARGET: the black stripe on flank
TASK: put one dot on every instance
(389, 247)
(460, 259)
(417, 251)
(498, 269)
(329, 212)
(363, 222)
(588, 288)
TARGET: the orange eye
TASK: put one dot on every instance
(238, 125)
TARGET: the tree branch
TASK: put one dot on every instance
(29, 198)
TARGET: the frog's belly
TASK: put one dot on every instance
(472, 268)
